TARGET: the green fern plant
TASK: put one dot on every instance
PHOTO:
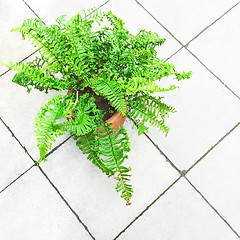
(110, 61)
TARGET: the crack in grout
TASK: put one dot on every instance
(136, 218)
(215, 210)
(185, 47)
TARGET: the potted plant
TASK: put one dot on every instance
(107, 71)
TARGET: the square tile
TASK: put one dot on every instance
(206, 111)
(93, 196)
(12, 47)
(14, 160)
(217, 177)
(179, 214)
(186, 18)
(31, 209)
(18, 109)
(218, 48)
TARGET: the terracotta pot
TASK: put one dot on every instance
(117, 119)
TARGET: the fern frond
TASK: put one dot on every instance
(32, 74)
(113, 148)
(50, 41)
(89, 144)
(84, 120)
(136, 84)
(110, 90)
(46, 128)
(156, 106)
(139, 111)
(117, 23)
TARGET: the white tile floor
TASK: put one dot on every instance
(192, 192)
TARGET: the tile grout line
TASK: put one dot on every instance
(209, 150)
(18, 62)
(32, 10)
(36, 164)
(161, 152)
(51, 183)
(136, 218)
(17, 178)
(215, 210)
(221, 16)
(225, 85)
(43, 21)
(45, 24)
(25, 150)
(145, 135)
(55, 188)
(13, 135)
(185, 46)
(183, 174)
(160, 23)
(58, 146)
(65, 201)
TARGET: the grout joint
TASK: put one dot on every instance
(183, 173)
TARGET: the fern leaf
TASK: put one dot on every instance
(45, 123)
(113, 148)
(156, 106)
(139, 84)
(110, 90)
(139, 111)
(32, 74)
(50, 41)
(89, 144)
(84, 119)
